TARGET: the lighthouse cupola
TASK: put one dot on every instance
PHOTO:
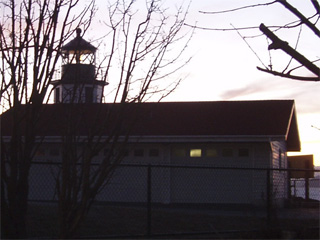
(78, 83)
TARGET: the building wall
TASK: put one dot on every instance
(279, 178)
(239, 186)
(173, 185)
(262, 158)
(69, 94)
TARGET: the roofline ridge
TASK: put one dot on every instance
(217, 101)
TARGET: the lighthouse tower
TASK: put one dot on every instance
(78, 83)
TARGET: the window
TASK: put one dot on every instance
(211, 152)
(227, 152)
(179, 152)
(40, 152)
(138, 153)
(195, 152)
(54, 151)
(243, 152)
(154, 152)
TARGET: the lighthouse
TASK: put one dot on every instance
(78, 83)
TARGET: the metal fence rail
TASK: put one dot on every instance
(149, 200)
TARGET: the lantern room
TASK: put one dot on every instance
(78, 51)
(78, 83)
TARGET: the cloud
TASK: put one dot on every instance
(241, 92)
(305, 94)
(261, 89)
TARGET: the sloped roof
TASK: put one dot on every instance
(78, 43)
(269, 118)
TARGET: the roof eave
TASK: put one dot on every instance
(181, 139)
(292, 133)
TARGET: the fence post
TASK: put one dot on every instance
(149, 194)
(289, 184)
(307, 174)
(269, 199)
(306, 187)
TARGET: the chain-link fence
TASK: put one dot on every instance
(162, 200)
(305, 188)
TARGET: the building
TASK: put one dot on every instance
(222, 135)
(301, 162)
(78, 81)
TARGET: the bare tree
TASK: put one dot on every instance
(310, 22)
(147, 52)
(142, 54)
(31, 35)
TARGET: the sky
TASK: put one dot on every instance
(223, 66)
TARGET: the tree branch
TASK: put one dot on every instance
(277, 43)
(316, 5)
(300, 16)
(286, 75)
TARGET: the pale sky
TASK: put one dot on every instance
(224, 68)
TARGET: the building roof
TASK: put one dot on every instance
(301, 162)
(78, 43)
(250, 119)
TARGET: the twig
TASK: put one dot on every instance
(240, 8)
(218, 29)
(249, 46)
(296, 46)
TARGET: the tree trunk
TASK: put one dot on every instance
(13, 213)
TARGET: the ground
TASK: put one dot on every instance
(131, 222)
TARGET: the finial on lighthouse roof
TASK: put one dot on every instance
(78, 31)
